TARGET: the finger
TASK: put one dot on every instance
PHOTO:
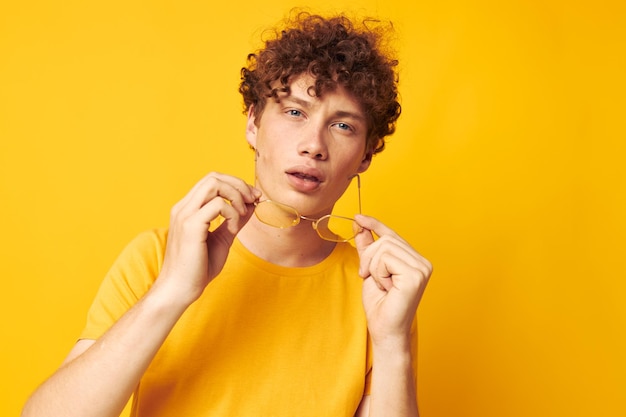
(385, 232)
(373, 251)
(375, 226)
(233, 219)
(382, 269)
(383, 283)
(233, 224)
(215, 185)
(212, 180)
(391, 264)
(362, 241)
(399, 249)
(367, 246)
(250, 194)
(389, 241)
(404, 286)
(194, 190)
(369, 280)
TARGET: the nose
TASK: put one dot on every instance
(314, 143)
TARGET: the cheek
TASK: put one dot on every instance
(271, 157)
(351, 158)
(273, 142)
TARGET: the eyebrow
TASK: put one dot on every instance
(302, 102)
(355, 116)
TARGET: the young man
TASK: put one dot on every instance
(241, 307)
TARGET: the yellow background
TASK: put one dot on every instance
(506, 171)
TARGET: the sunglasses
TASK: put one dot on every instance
(329, 227)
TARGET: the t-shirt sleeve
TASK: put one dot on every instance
(130, 277)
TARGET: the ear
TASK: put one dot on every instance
(365, 163)
(251, 127)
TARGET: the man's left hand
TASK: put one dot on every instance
(395, 277)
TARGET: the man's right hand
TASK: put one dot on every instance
(194, 255)
(99, 376)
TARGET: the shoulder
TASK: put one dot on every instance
(148, 244)
(141, 259)
(150, 239)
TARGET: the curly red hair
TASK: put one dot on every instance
(335, 52)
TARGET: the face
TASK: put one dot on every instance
(308, 148)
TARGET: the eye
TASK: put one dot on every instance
(294, 112)
(343, 126)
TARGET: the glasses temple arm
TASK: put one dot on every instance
(358, 188)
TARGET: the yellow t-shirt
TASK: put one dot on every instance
(263, 340)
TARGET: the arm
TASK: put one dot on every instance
(98, 377)
(395, 277)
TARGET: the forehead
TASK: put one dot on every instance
(302, 90)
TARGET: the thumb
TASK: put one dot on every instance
(363, 238)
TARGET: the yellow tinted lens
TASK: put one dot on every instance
(336, 228)
(276, 214)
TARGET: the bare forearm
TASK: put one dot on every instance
(393, 391)
(100, 381)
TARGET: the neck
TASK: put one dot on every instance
(297, 246)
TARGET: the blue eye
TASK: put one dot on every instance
(343, 126)
(294, 112)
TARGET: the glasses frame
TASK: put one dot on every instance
(314, 222)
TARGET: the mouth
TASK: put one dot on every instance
(304, 173)
(304, 177)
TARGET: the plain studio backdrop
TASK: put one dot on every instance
(506, 171)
